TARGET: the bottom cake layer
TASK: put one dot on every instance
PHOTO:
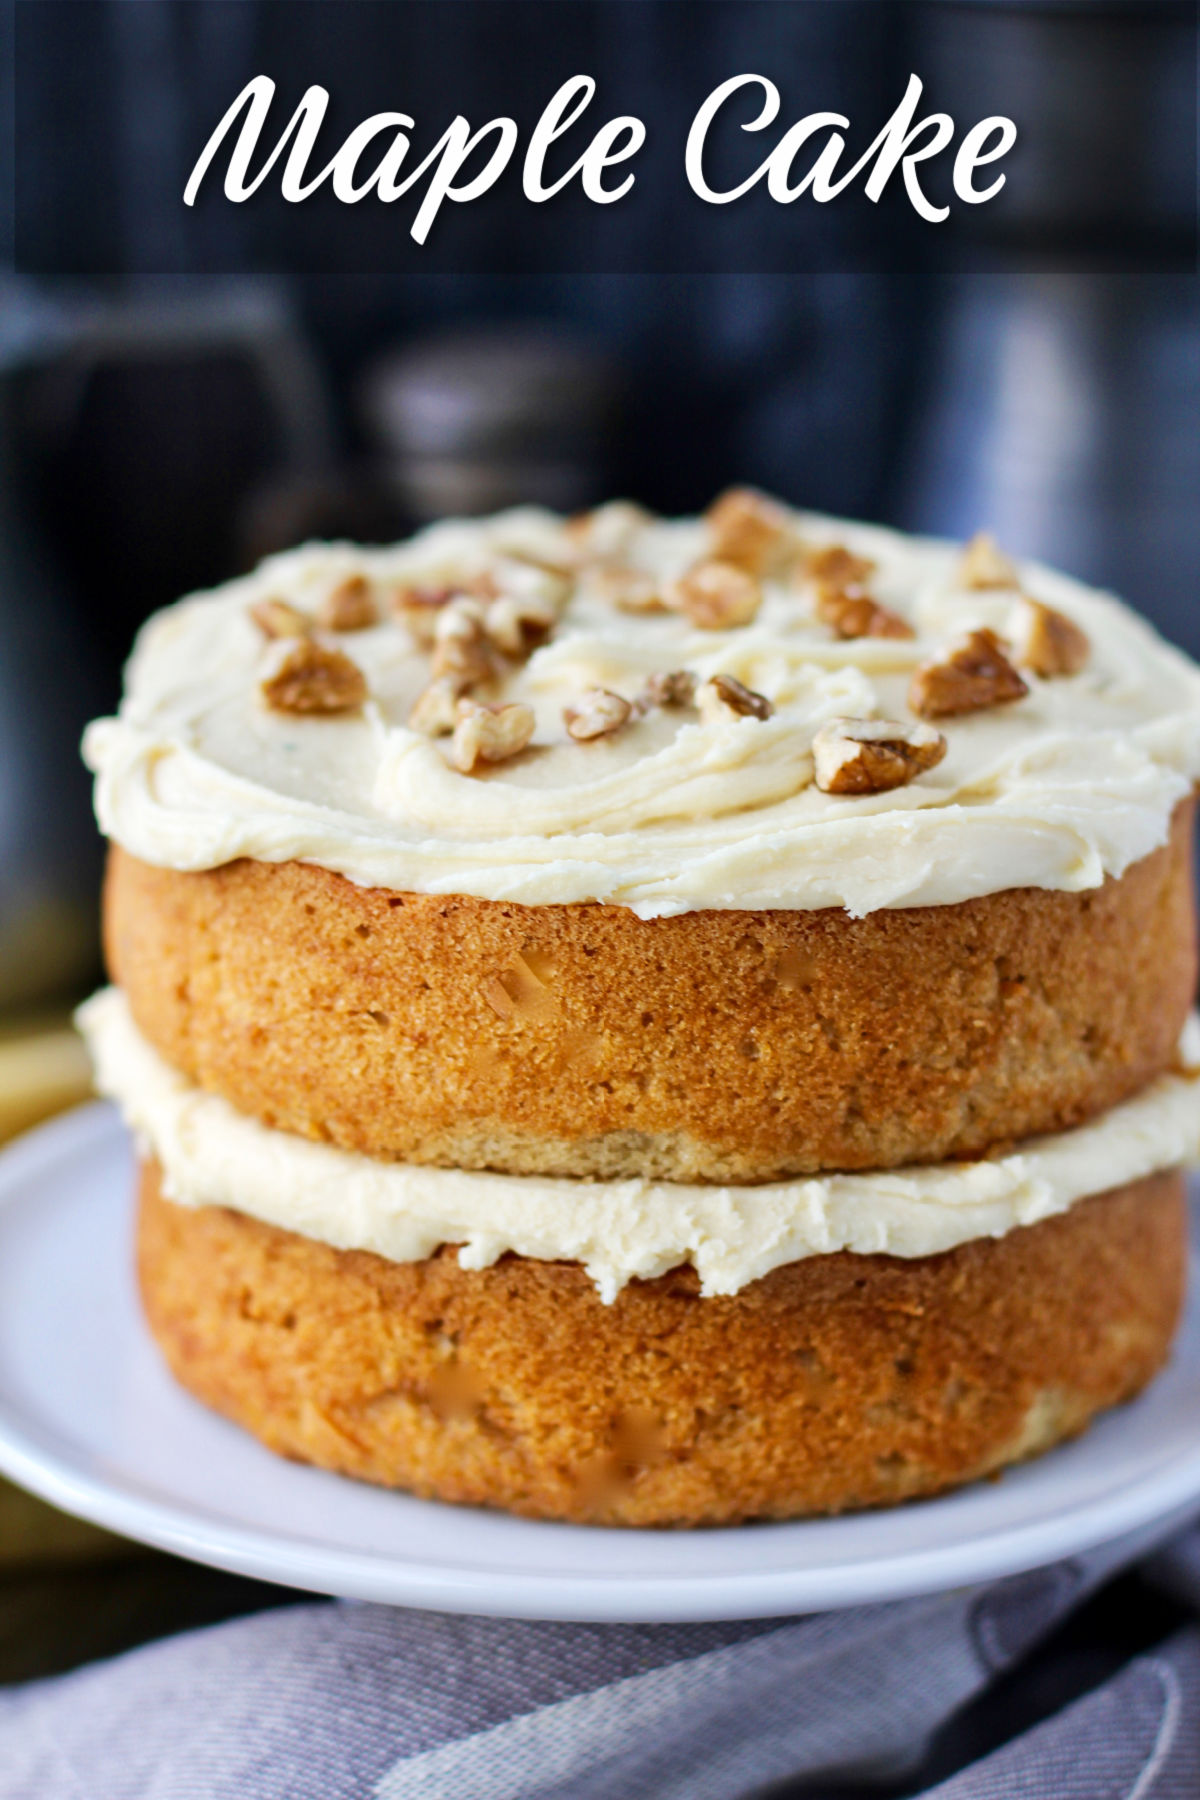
(835, 1382)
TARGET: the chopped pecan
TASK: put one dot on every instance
(530, 585)
(984, 564)
(836, 567)
(460, 643)
(534, 569)
(749, 530)
(716, 595)
(675, 687)
(420, 608)
(853, 614)
(1051, 644)
(350, 607)
(608, 530)
(597, 713)
(973, 674)
(629, 590)
(435, 712)
(868, 756)
(518, 625)
(280, 619)
(490, 734)
(724, 697)
(310, 678)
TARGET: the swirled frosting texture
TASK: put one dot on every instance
(676, 811)
(620, 1230)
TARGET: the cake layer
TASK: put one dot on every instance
(583, 1041)
(619, 1231)
(836, 1382)
(676, 806)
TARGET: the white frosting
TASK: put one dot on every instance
(213, 1155)
(1074, 782)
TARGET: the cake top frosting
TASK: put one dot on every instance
(756, 708)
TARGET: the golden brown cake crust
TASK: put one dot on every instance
(710, 1046)
(838, 1382)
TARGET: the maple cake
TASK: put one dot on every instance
(655, 1022)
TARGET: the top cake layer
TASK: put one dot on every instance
(1070, 733)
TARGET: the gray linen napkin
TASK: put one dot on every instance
(341, 1701)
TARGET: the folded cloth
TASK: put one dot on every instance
(344, 1701)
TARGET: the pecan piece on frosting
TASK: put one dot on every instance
(972, 675)
(1050, 643)
(673, 687)
(716, 595)
(868, 756)
(597, 713)
(310, 678)
(607, 531)
(490, 734)
(350, 606)
(629, 590)
(749, 530)
(518, 624)
(461, 646)
(420, 608)
(435, 711)
(853, 614)
(984, 564)
(280, 619)
(724, 697)
(836, 567)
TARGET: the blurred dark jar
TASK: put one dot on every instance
(493, 417)
(131, 427)
(49, 850)
(1060, 409)
(1063, 416)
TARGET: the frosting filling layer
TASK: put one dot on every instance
(677, 810)
(212, 1155)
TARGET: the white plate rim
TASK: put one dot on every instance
(29, 1456)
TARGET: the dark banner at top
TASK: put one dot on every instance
(604, 136)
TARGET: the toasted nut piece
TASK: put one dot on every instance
(676, 687)
(490, 734)
(868, 756)
(554, 572)
(853, 614)
(723, 697)
(973, 674)
(350, 607)
(751, 531)
(597, 713)
(836, 567)
(420, 608)
(524, 576)
(482, 586)
(716, 595)
(629, 590)
(1051, 644)
(984, 564)
(460, 642)
(608, 530)
(435, 711)
(280, 619)
(518, 626)
(310, 678)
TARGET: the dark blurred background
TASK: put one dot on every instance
(160, 432)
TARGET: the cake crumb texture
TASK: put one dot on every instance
(834, 1383)
(717, 1046)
